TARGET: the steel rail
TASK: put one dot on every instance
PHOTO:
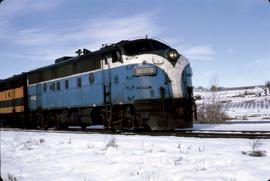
(178, 133)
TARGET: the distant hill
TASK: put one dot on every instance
(229, 88)
(250, 102)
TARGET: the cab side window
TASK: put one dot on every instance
(114, 57)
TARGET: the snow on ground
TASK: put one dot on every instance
(240, 104)
(31, 156)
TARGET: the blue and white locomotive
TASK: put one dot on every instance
(132, 84)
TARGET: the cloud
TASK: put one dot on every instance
(200, 52)
(131, 26)
(262, 62)
(256, 71)
(229, 51)
(259, 63)
(248, 6)
(3, 29)
(44, 44)
(11, 9)
(108, 29)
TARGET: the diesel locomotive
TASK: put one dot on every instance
(132, 84)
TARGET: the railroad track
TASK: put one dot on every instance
(177, 133)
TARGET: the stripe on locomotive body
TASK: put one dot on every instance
(18, 92)
(128, 60)
(11, 103)
(66, 77)
(11, 94)
(12, 100)
(173, 72)
(17, 109)
(125, 88)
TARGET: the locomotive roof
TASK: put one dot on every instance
(67, 60)
(11, 82)
(98, 53)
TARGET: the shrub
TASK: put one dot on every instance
(211, 113)
(214, 88)
(255, 150)
(111, 143)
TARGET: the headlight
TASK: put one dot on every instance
(139, 71)
(173, 54)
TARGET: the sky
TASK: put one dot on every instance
(228, 40)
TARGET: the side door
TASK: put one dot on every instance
(106, 73)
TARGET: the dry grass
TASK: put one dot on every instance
(10, 177)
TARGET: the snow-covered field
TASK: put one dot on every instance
(32, 156)
(240, 104)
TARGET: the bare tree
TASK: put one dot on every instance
(214, 83)
(214, 80)
(211, 112)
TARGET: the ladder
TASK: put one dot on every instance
(107, 95)
(108, 104)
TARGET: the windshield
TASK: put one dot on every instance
(142, 46)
